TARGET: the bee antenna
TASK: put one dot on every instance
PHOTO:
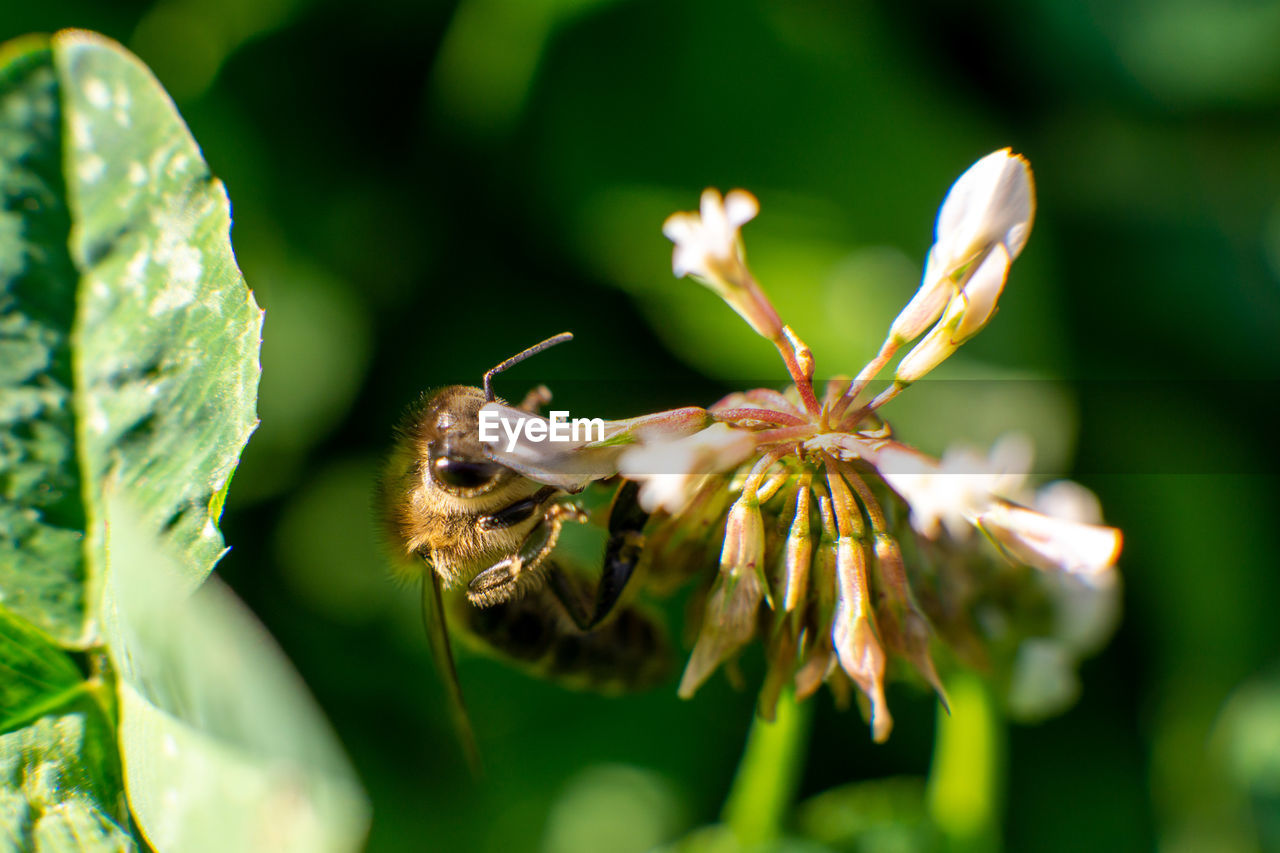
(519, 357)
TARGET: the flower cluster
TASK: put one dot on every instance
(818, 501)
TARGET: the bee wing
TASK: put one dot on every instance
(442, 655)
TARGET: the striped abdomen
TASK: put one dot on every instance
(629, 651)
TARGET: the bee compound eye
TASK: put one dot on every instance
(463, 474)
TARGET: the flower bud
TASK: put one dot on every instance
(798, 550)
(743, 549)
(728, 624)
(982, 226)
(853, 635)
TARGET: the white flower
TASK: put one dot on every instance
(1065, 499)
(965, 316)
(668, 492)
(707, 245)
(1045, 542)
(670, 471)
(982, 226)
(708, 249)
(951, 492)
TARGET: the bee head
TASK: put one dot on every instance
(446, 431)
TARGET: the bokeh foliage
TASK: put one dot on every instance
(423, 188)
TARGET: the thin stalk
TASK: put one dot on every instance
(803, 382)
(869, 372)
(966, 782)
(769, 773)
(880, 399)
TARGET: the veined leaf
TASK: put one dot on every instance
(59, 788)
(36, 677)
(128, 341)
(222, 747)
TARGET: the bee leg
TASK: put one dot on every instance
(512, 576)
(621, 554)
(521, 510)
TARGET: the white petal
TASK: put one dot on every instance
(740, 208)
(1069, 500)
(991, 204)
(717, 448)
(669, 492)
(951, 492)
(981, 293)
(927, 303)
(688, 260)
(680, 227)
(714, 220)
(1047, 543)
(707, 240)
(933, 349)
(993, 201)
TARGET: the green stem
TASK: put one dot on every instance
(966, 781)
(769, 772)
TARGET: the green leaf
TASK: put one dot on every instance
(129, 339)
(222, 746)
(879, 814)
(1246, 739)
(59, 789)
(42, 516)
(35, 675)
(60, 786)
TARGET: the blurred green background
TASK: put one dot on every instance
(420, 189)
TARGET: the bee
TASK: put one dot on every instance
(481, 536)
